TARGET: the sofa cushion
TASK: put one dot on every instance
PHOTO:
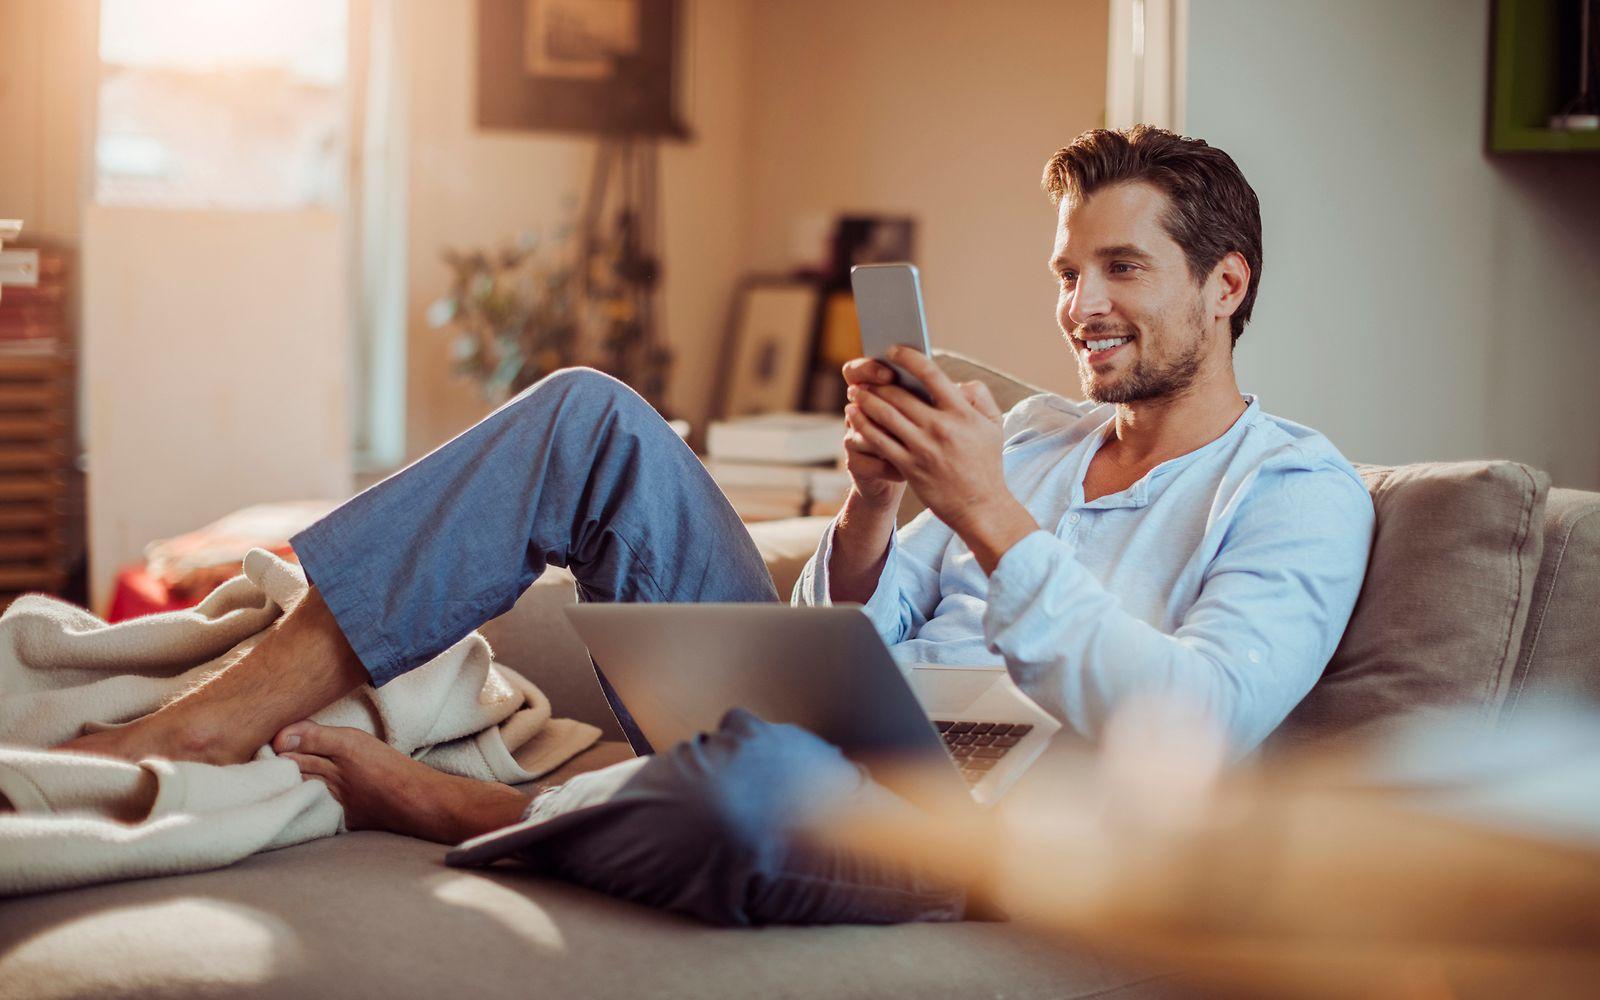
(378, 915)
(1440, 618)
(1561, 643)
(786, 546)
(1007, 390)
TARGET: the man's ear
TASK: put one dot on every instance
(1230, 280)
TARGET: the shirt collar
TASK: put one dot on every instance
(1137, 495)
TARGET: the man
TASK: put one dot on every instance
(1171, 540)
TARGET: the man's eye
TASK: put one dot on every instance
(1120, 268)
(1068, 277)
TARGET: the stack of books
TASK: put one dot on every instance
(779, 465)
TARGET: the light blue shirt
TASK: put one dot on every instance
(1223, 577)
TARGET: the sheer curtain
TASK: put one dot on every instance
(376, 224)
(1146, 63)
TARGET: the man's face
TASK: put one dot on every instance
(1133, 315)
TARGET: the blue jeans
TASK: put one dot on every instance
(580, 472)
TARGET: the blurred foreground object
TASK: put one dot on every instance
(1442, 860)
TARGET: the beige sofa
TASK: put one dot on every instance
(1483, 589)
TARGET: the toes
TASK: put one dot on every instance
(310, 737)
(289, 737)
(311, 766)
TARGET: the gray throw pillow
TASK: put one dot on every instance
(1440, 618)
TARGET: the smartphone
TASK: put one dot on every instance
(889, 311)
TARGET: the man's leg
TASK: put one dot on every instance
(715, 827)
(578, 471)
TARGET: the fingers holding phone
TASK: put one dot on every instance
(875, 478)
(867, 371)
(888, 301)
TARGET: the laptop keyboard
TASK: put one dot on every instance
(978, 746)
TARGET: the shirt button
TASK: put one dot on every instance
(1255, 657)
(1074, 519)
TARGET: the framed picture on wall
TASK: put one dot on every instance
(595, 66)
(870, 239)
(767, 357)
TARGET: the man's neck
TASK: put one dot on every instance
(1154, 430)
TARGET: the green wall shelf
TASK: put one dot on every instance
(1525, 49)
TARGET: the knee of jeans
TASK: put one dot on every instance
(754, 786)
(579, 390)
(589, 384)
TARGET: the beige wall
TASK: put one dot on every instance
(214, 371)
(474, 188)
(1419, 300)
(946, 111)
(44, 83)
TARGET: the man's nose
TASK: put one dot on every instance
(1088, 301)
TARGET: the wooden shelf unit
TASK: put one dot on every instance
(39, 481)
(36, 401)
(1528, 39)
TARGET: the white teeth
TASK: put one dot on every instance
(1100, 345)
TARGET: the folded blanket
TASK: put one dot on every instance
(63, 672)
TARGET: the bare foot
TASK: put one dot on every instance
(302, 663)
(151, 737)
(383, 789)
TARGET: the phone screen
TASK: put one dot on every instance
(889, 310)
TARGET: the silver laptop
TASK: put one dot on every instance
(948, 731)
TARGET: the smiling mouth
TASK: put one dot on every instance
(1097, 348)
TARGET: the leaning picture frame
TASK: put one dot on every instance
(769, 344)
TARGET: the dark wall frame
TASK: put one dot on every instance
(640, 99)
(1525, 50)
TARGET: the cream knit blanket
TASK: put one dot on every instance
(63, 671)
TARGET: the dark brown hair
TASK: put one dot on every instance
(1213, 211)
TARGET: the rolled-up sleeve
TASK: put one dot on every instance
(1273, 605)
(908, 590)
(908, 585)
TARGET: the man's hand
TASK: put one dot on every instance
(949, 452)
(877, 482)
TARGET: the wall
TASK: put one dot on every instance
(214, 370)
(944, 111)
(45, 80)
(472, 188)
(1419, 300)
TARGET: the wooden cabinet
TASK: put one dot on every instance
(35, 472)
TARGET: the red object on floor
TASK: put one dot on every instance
(137, 593)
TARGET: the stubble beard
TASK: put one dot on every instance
(1148, 378)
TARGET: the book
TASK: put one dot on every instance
(759, 475)
(763, 491)
(778, 438)
(766, 504)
